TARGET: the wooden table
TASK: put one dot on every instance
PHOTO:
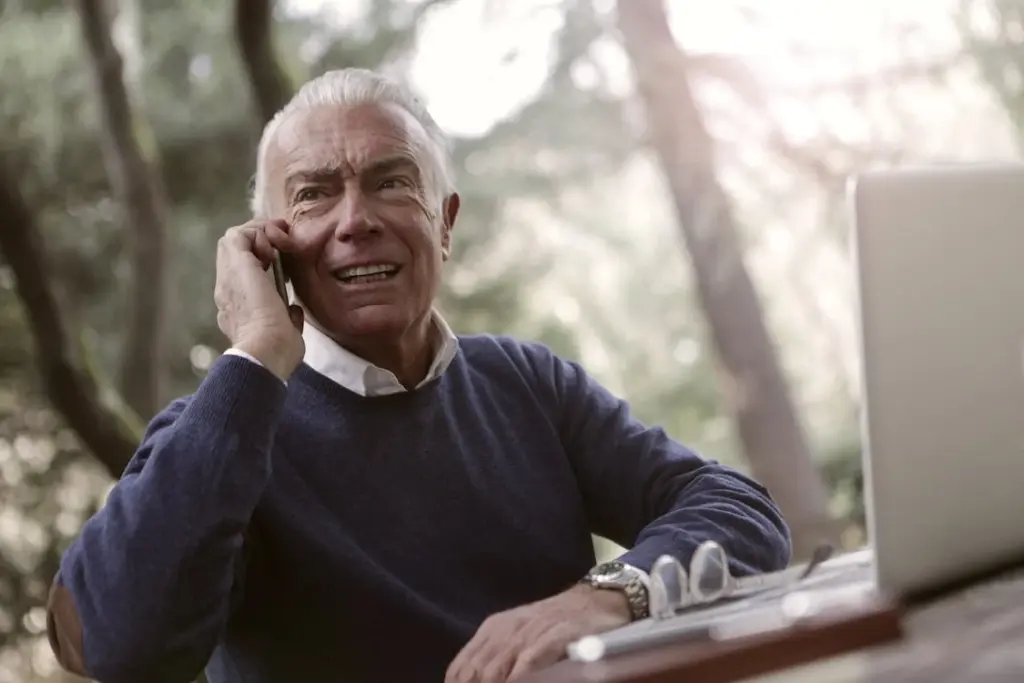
(974, 634)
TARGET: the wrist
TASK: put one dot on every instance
(611, 602)
(625, 582)
(281, 362)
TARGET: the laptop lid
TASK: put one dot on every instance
(940, 263)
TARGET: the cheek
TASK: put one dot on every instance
(419, 228)
(408, 202)
(310, 234)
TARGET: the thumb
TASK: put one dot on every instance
(297, 316)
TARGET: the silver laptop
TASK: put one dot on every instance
(940, 262)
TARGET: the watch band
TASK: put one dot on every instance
(632, 582)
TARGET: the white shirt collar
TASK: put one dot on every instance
(327, 357)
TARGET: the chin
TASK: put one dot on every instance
(372, 321)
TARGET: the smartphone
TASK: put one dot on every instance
(279, 281)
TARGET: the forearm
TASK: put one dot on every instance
(144, 591)
(644, 490)
(718, 504)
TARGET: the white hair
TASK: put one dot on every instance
(348, 87)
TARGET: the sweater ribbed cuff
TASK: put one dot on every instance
(644, 554)
(240, 397)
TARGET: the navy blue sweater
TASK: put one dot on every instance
(310, 534)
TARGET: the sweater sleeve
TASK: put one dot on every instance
(651, 494)
(145, 591)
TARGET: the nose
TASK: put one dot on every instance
(355, 220)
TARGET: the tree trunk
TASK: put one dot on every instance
(270, 87)
(129, 151)
(757, 392)
(105, 427)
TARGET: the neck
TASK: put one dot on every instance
(407, 357)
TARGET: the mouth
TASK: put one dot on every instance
(365, 274)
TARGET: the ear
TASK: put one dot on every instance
(449, 213)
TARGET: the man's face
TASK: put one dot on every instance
(353, 184)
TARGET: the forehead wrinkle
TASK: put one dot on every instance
(300, 170)
(314, 140)
(303, 168)
(391, 162)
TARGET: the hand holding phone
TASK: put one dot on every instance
(246, 312)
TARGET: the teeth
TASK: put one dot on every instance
(362, 279)
(362, 271)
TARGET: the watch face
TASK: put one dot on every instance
(608, 571)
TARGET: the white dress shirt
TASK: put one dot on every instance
(360, 376)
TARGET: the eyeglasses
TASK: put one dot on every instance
(709, 580)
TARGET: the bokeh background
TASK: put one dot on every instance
(657, 189)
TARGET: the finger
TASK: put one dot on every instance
(489, 638)
(532, 659)
(496, 668)
(277, 223)
(543, 651)
(457, 671)
(494, 658)
(238, 241)
(463, 668)
(248, 230)
(262, 247)
(238, 238)
(251, 238)
(279, 237)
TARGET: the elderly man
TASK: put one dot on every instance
(354, 493)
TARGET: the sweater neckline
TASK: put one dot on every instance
(322, 384)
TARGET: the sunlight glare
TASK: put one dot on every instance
(474, 71)
(476, 65)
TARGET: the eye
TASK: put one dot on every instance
(392, 183)
(309, 194)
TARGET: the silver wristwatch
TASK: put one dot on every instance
(630, 581)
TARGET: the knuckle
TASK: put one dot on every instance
(237, 235)
(498, 623)
(532, 655)
(458, 674)
(520, 618)
(495, 670)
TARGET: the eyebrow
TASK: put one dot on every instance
(390, 163)
(377, 167)
(316, 175)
